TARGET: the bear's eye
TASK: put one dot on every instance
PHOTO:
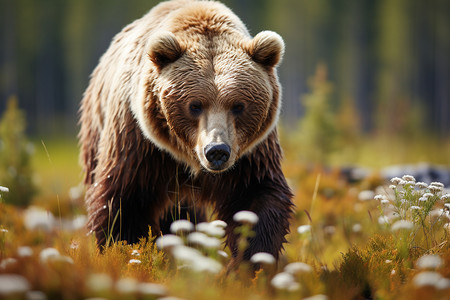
(237, 109)
(195, 108)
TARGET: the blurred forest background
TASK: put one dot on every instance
(382, 66)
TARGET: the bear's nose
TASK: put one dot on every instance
(217, 154)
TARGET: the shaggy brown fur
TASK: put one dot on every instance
(142, 146)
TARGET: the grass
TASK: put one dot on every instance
(347, 251)
(58, 175)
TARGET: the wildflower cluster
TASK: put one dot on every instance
(289, 278)
(416, 207)
(196, 250)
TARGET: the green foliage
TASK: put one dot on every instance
(15, 153)
(318, 128)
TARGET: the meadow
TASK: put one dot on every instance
(370, 239)
(356, 233)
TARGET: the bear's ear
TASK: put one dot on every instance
(266, 48)
(164, 48)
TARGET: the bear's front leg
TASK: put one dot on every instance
(270, 200)
(118, 216)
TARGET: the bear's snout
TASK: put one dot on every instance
(217, 154)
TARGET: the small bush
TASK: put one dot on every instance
(317, 129)
(15, 153)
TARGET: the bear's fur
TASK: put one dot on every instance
(185, 76)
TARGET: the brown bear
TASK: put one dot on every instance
(180, 115)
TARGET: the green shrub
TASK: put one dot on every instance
(15, 153)
(318, 133)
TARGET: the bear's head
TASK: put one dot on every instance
(212, 94)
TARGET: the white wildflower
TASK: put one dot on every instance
(53, 255)
(246, 216)
(63, 259)
(427, 195)
(38, 219)
(127, 285)
(24, 251)
(184, 253)
(435, 214)
(206, 264)
(48, 253)
(434, 188)
(295, 286)
(447, 206)
(134, 261)
(357, 227)
(35, 295)
(396, 180)
(402, 224)
(7, 262)
(222, 254)
(211, 229)
(303, 229)
(195, 261)
(388, 261)
(218, 223)
(329, 230)
(423, 199)
(317, 297)
(383, 220)
(152, 289)
(385, 202)
(438, 184)
(445, 197)
(443, 284)
(421, 185)
(76, 192)
(297, 267)
(409, 178)
(74, 245)
(444, 212)
(79, 222)
(135, 252)
(428, 278)
(284, 281)
(392, 187)
(263, 258)
(12, 284)
(379, 197)
(3, 230)
(415, 207)
(201, 239)
(366, 195)
(180, 226)
(168, 241)
(99, 282)
(429, 262)
(447, 226)
(4, 189)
